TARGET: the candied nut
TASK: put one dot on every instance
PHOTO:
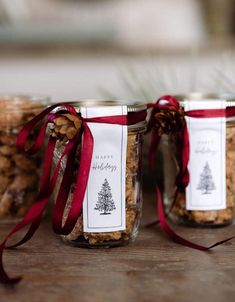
(11, 119)
(231, 155)
(17, 202)
(225, 215)
(17, 112)
(204, 216)
(130, 219)
(28, 198)
(24, 163)
(132, 161)
(95, 238)
(232, 181)
(78, 229)
(18, 172)
(5, 204)
(5, 163)
(8, 150)
(23, 181)
(4, 181)
(130, 190)
(230, 200)
(8, 139)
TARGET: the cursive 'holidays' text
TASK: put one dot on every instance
(104, 167)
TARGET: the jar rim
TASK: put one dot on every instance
(199, 96)
(132, 106)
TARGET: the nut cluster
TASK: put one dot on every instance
(19, 173)
(66, 126)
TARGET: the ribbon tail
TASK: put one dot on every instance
(81, 182)
(176, 238)
(32, 217)
(220, 242)
(33, 228)
(149, 225)
(4, 278)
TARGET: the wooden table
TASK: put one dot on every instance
(151, 269)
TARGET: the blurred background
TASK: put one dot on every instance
(126, 49)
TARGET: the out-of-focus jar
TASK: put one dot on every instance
(132, 185)
(204, 211)
(19, 173)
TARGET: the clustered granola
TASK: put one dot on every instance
(132, 197)
(218, 217)
(18, 172)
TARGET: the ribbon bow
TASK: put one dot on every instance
(171, 103)
(47, 184)
(167, 103)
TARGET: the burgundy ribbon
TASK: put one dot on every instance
(47, 184)
(170, 102)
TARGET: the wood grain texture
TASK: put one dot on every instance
(150, 269)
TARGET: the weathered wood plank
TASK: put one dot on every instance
(151, 269)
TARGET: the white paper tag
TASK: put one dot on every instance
(207, 165)
(105, 198)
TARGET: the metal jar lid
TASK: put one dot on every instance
(131, 106)
(197, 96)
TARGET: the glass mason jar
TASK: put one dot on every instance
(19, 173)
(133, 186)
(177, 209)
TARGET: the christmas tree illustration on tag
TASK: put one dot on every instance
(206, 183)
(105, 203)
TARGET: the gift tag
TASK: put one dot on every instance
(207, 164)
(104, 202)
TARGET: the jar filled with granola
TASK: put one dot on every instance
(209, 197)
(112, 204)
(19, 173)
